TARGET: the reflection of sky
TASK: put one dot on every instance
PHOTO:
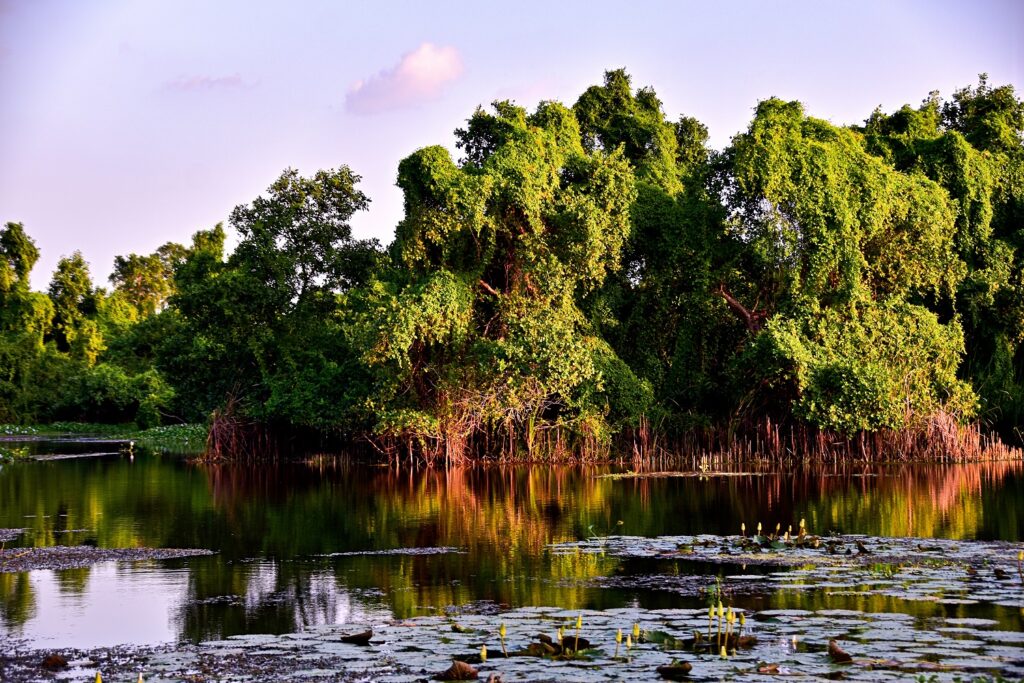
(144, 605)
(127, 124)
(114, 606)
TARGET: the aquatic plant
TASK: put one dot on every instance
(579, 625)
(9, 454)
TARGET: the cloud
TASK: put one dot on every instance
(204, 83)
(419, 77)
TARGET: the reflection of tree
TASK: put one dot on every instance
(17, 599)
(290, 517)
(501, 519)
(942, 501)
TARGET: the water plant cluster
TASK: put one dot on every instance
(827, 644)
(176, 438)
(9, 454)
(578, 274)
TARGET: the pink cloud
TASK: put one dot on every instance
(203, 83)
(420, 76)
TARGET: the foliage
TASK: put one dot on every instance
(262, 325)
(971, 146)
(576, 276)
(475, 334)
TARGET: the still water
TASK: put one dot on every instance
(303, 544)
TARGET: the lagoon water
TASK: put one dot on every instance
(300, 545)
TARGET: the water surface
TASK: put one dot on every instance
(301, 545)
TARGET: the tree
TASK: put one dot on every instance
(18, 254)
(147, 281)
(972, 147)
(845, 250)
(74, 306)
(25, 320)
(475, 336)
(253, 324)
(674, 240)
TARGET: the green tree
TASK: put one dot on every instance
(74, 305)
(147, 281)
(842, 246)
(475, 337)
(25, 320)
(262, 325)
(972, 146)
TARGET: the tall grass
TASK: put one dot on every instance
(940, 438)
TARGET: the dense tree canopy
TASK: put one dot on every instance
(575, 274)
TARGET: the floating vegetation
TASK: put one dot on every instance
(183, 438)
(671, 645)
(74, 556)
(941, 571)
(9, 454)
(180, 438)
(10, 534)
(441, 550)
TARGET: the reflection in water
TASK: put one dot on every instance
(275, 529)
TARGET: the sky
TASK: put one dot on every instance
(126, 124)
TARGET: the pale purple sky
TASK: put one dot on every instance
(126, 124)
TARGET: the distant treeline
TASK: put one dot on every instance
(580, 274)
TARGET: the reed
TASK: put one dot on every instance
(461, 439)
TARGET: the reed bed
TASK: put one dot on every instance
(939, 439)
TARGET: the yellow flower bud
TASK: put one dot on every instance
(99, 679)
(483, 653)
(731, 617)
(629, 641)
(636, 631)
(721, 610)
(618, 636)
(724, 653)
(579, 621)
(743, 618)
(501, 630)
